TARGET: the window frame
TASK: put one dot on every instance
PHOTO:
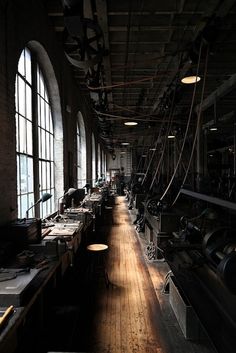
(28, 70)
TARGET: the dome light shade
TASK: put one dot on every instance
(213, 128)
(131, 123)
(190, 79)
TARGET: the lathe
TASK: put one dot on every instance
(201, 254)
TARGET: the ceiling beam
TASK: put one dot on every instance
(221, 91)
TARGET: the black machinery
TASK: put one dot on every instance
(201, 254)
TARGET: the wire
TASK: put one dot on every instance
(121, 84)
(166, 137)
(155, 148)
(198, 124)
(186, 131)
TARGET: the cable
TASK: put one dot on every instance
(121, 84)
(186, 131)
(198, 124)
(155, 148)
(166, 137)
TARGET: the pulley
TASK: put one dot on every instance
(154, 207)
(219, 247)
(226, 271)
(214, 241)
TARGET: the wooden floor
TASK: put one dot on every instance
(133, 315)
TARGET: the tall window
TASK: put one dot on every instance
(93, 161)
(99, 161)
(35, 164)
(45, 143)
(81, 153)
(103, 163)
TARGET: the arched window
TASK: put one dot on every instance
(99, 160)
(34, 138)
(103, 163)
(93, 161)
(81, 153)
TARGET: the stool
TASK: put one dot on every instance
(109, 213)
(97, 265)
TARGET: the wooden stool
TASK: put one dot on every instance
(97, 265)
(109, 213)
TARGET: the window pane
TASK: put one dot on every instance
(40, 174)
(22, 134)
(51, 123)
(43, 183)
(47, 123)
(39, 143)
(31, 203)
(39, 110)
(21, 96)
(18, 174)
(51, 148)
(48, 175)
(24, 204)
(47, 146)
(41, 85)
(19, 207)
(43, 144)
(16, 94)
(17, 133)
(28, 65)
(52, 174)
(46, 96)
(28, 102)
(38, 81)
(30, 175)
(42, 113)
(23, 174)
(29, 138)
(21, 64)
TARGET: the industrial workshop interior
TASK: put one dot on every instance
(118, 176)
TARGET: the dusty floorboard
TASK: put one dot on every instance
(134, 314)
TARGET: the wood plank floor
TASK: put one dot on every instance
(131, 316)
(134, 315)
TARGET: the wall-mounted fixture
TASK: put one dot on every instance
(171, 136)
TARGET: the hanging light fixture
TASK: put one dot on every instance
(130, 123)
(214, 127)
(190, 79)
